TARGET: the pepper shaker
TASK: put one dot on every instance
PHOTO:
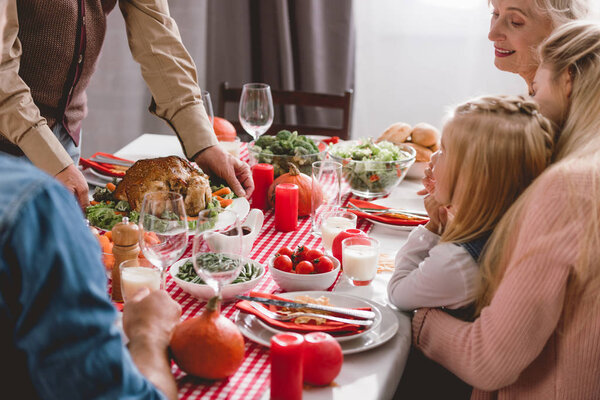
(125, 236)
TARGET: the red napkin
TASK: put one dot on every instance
(106, 169)
(383, 218)
(333, 327)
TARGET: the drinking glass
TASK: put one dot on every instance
(208, 106)
(137, 274)
(360, 256)
(334, 221)
(256, 109)
(325, 191)
(163, 229)
(218, 247)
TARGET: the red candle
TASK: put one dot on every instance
(262, 174)
(286, 207)
(286, 366)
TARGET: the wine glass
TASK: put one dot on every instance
(256, 109)
(163, 229)
(208, 106)
(218, 247)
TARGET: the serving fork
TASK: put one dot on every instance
(288, 317)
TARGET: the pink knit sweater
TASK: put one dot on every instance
(525, 345)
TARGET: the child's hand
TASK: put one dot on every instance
(428, 181)
(433, 208)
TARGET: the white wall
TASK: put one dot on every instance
(417, 58)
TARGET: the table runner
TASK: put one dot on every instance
(252, 378)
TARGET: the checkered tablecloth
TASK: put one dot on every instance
(252, 378)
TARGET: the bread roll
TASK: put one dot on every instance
(435, 147)
(396, 133)
(425, 135)
(423, 153)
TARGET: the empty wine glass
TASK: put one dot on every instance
(163, 229)
(208, 106)
(256, 109)
(217, 248)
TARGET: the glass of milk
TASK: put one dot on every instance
(137, 274)
(334, 222)
(360, 256)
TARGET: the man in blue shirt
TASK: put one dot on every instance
(58, 337)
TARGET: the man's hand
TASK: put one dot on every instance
(75, 183)
(214, 160)
(151, 315)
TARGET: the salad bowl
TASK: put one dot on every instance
(373, 169)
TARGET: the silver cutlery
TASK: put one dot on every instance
(288, 317)
(291, 304)
(382, 211)
(108, 160)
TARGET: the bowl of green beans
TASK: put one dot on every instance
(184, 275)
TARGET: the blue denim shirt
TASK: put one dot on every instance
(58, 338)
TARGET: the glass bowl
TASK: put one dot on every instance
(281, 162)
(368, 178)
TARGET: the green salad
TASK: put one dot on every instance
(372, 167)
(286, 147)
(187, 273)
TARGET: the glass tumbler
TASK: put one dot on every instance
(325, 191)
(360, 256)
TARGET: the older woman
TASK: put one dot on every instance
(538, 332)
(519, 26)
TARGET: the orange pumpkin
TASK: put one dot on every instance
(304, 183)
(224, 130)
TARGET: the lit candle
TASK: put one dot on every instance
(262, 174)
(286, 207)
(286, 366)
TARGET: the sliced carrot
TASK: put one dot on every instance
(94, 202)
(222, 192)
(151, 238)
(225, 202)
(192, 218)
(111, 186)
(218, 198)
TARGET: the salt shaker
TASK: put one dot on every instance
(125, 236)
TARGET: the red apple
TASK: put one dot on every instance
(322, 360)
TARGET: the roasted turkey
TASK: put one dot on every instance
(172, 174)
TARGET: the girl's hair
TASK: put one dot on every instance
(563, 11)
(574, 47)
(495, 146)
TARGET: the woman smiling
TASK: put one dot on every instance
(518, 27)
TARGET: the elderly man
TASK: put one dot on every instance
(50, 53)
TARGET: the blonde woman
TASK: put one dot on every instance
(538, 332)
(517, 28)
(492, 149)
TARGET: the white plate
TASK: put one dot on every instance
(204, 292)
(393, 227)
(94, 178)
(340, 300)
(251, 328)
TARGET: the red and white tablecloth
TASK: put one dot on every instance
(252, 378)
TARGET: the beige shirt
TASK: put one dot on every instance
(167, 68)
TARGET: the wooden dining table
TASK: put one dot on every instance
(370, 374)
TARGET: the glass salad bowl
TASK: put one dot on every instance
(372, 169)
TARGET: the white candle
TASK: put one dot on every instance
(330, 228)
(135, 278)
(360, 262)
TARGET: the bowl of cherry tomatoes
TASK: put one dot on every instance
(303, 269)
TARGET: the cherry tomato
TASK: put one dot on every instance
(304, 267)
(323, 264)
(313, 254)
(300, 254)
(285, 251)
(283, 263)
(322, 358)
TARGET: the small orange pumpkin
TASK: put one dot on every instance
(224, 130)
(304, 183)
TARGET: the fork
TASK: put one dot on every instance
(289, 317)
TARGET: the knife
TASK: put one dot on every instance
(290, 304)
(108, 160)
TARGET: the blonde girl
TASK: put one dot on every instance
(492, 149)
(538, 332)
